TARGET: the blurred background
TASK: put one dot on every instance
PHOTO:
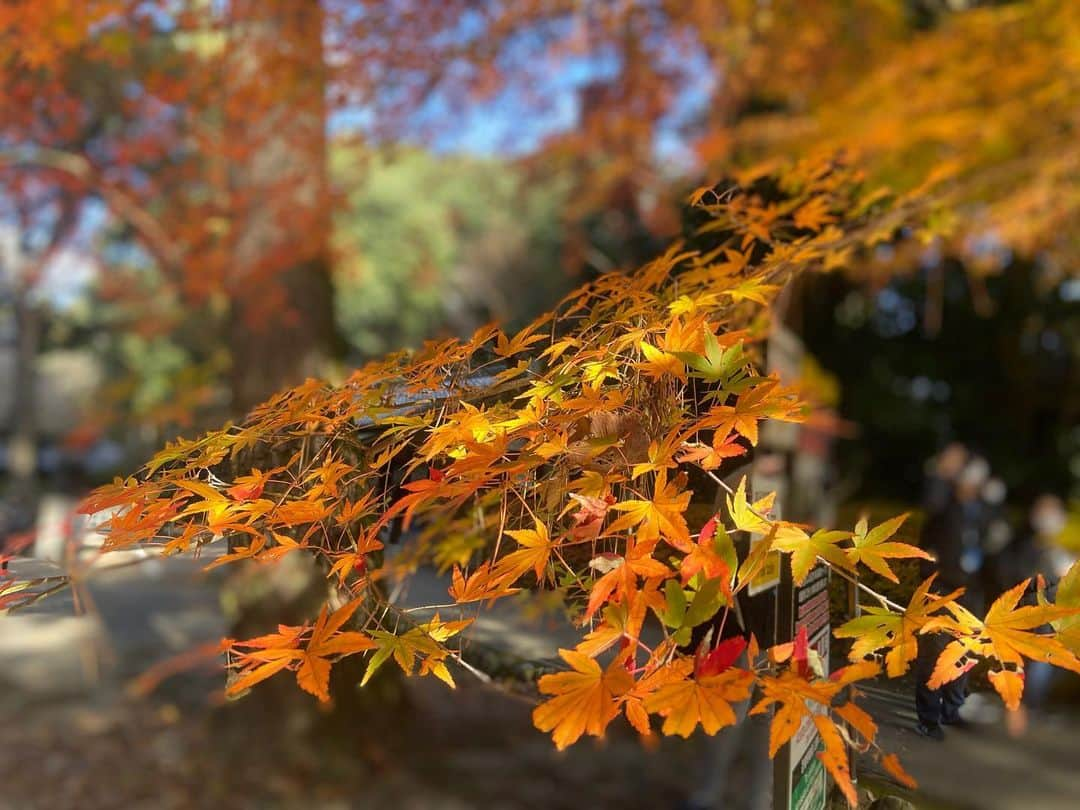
(204, 201)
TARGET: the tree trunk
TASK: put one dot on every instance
(281, 319)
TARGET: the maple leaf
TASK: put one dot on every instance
(249, 487)
(751, 407)
(891, 763)
(749, 517)
(660, 517)
(352, 561)
(753, 289)
(251, 676)
(688, 305)
(553, 446)
(534, 552)
(612, 627)
(252, 549)
(813, 214)
(521, 341)
(805, 549)
(596, 372)
(269, 655)
(295, 513)
(423, 642)
(481, 585)
(719, 365)
(713, 555)
(711, 457)
(835, 756)
(706, 701)
(583, 701)
(313, 673)
(660, 456)
(872, 548)
(619, 576)
(880, 628)
(794, 694)
(658, 363)
(1008, 629)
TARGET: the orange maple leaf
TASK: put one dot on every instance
(274, 652)
(249, 487)
(761, 401)
(583, 701)
(709, 458)
(704, 701)
(313, 673)
(481, 584)
(660, 517)
(618, 581)
(794, 694)
(705, 557)
(534, 552)
(835, 756)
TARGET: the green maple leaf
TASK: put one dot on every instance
(725, 366)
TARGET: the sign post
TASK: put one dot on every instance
(793, 461)
(800, 781)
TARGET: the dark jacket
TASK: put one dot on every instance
(955, 536)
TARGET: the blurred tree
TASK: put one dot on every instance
(429, 243)
(201, 130)
(281, 320)
(202, 126)
(43, 218)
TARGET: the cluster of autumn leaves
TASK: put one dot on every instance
(566, 471)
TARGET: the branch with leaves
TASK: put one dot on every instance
(576, 481)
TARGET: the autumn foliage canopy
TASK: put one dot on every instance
(565, 458)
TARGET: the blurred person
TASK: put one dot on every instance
(999, 537)
(941, 474)
(1037, 553)
(956, 535)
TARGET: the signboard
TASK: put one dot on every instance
(812, 790)
(800, 781)
(769, 575)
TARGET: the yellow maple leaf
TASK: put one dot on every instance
(750, 517)
(873, 548)
(658, 363)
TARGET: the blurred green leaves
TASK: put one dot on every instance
(428, 244)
